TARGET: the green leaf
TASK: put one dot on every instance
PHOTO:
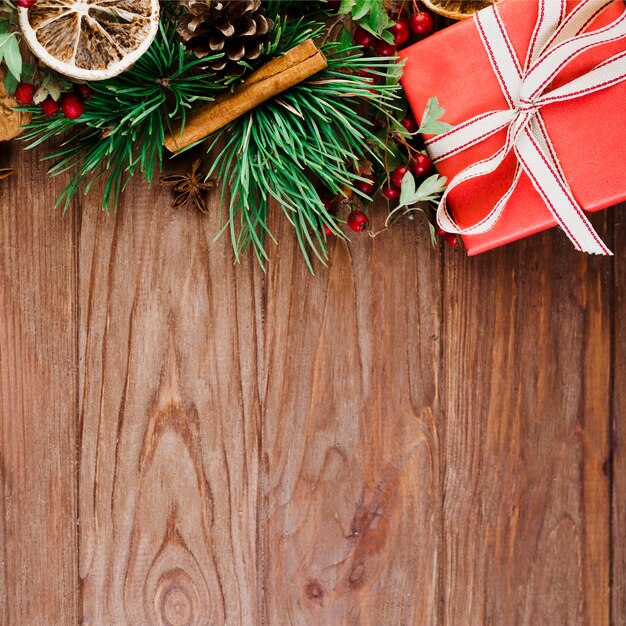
(430, 124)
(407, 192)
(360, 9)
(346, 6)
(12, 57)
(10, 83)
(388, 37)
(432, 187)
(345, 40)
(370, 15)
(52, 86)
(428, 191)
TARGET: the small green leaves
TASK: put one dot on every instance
(51, 86)
(371, 15)
(10, 83)
(10, 54)
(413, 198)
(430, 121)
(428, 191)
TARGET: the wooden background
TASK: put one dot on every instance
(409, 438)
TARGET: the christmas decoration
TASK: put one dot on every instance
(514, 162)
(72, 106)
(50, 106)
(280, 74)
(24, 93)
(189, 187)
(237, 28)
(90, 45)
(457, 9)
(358, 221)
(301, 105)
(421, 164)
(422, 23)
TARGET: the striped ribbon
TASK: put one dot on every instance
(557, 40)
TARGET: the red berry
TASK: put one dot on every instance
(363, 37)
(451, 239)
(377, 123)
(398, 174)
(401, 31)
(440, 232)
(24, 93)
(83, 90)
(422, 23)
(358, 221)
(384, 49)
(421, 164)
(393, 193)
(50, 106)
(26, 4)
(72, 106)
(366, 186)
(327, 230)
(410, 123)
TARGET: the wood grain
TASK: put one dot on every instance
(409, 438)
(526, 438)
(38, 556)
(170, 420)
(351, 444)
(618, 425)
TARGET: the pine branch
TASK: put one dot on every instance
(124, 124)
(313, 132)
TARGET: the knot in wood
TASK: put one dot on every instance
(174, 601)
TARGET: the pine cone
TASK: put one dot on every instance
(236, 27)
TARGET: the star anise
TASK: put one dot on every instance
(189, 187)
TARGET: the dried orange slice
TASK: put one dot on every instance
(457, 9)
(90, 39)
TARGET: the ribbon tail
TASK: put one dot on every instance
(545, 175)
(445, 219)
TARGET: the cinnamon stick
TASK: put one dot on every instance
(274, 77)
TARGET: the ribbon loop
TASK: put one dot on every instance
(557, 40)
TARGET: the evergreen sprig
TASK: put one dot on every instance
(313, 136)
(125, 122)
(317, 135)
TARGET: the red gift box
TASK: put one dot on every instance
(588, 133)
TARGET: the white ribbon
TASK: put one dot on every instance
(557, 40)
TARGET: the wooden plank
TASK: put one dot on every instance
(351, 440)
(618, 469)
(170, 411)
(526, 438)
(38, 559)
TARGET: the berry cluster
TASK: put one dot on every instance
(71, 103)
(419, 23)
(411, 22)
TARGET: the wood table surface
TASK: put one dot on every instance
(409, 438)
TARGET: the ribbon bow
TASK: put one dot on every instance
(557, 40)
